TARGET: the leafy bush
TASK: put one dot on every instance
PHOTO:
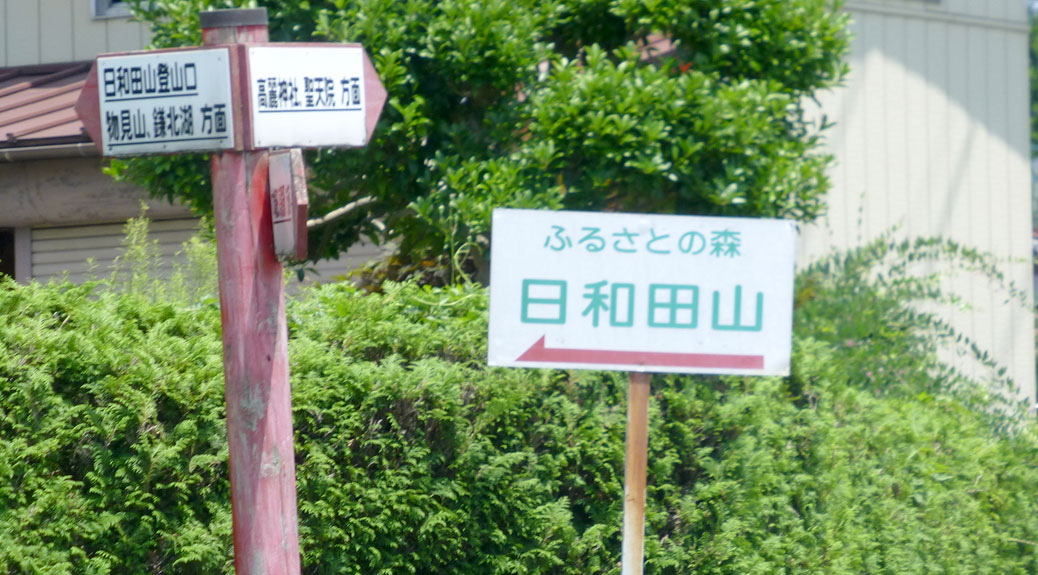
(112, 438)
(413, 457)
(548, 103)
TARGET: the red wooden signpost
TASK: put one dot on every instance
(202, 99)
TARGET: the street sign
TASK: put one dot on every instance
(312, 95)
(160, 102)
(180, 100)
(640, 292)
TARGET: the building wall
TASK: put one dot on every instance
(84, 252)
(66, 211)
(80, 253)
(932, 139)
(971, 10)
(48, 31)
(325, 271)
(69, 200)
(70, 191)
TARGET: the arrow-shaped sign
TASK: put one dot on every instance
(215, 98)
(312, 95)
(538, 352)
(161, 101)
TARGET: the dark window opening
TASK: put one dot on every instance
(109, 9)
(7, 252)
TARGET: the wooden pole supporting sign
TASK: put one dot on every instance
(235, 97)
(636, 462)
(255, 342)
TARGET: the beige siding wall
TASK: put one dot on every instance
(333, 270)
(970, 11)
(932, 137)
(79, 253)
(69, 192)
(62, 201)
(47, 31)
(326, 271)
(68, 251)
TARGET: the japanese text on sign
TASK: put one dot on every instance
(165, 102)
(276, 94)
(162, 78)
(281, 204)
(306, 96)
(636, 291)
(666, 305)
(722, 243)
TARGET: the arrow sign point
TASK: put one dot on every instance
(535, 353)
(375, 98)
(88, 107)
(540, 352)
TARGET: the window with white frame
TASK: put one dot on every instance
(109, 8)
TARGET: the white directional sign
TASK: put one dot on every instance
(641, 292)
(165, 102)
(307, 96)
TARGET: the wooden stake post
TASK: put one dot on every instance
(632, 554)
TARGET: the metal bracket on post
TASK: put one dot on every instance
(289, 203)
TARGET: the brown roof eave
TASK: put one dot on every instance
(37, 116)
(50, 151)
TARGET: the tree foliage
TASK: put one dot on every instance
(414, 457)
(554, 104)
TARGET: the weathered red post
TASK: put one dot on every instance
(255, 340)
(219, 98)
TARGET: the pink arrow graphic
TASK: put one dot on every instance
(540, 353)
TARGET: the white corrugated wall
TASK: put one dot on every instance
(48, 31)
(325, 271)
(932, 137)
(333, 270)
(66, 251)
(82, 252)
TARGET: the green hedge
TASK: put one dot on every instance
(413, 457)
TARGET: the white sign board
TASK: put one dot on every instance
(165, 102)
(640, 292)
(307, 96)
